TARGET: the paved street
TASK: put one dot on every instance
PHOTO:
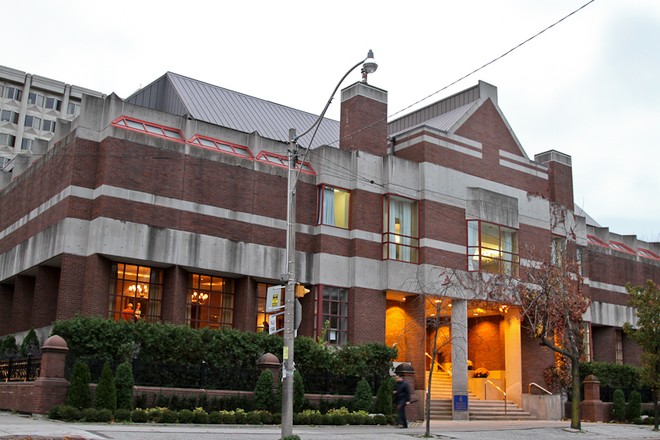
(13, 426)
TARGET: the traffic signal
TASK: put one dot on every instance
(301, 291)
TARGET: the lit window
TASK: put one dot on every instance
(36, 99)
(262, 315)
(400, 229)
(282, 161)
(586, 356)
(334, 206)
(9, 116)
(210, 302)
(223, 146)
(13, 93)
(334, 315)
(137, 293)
(492, 248)
(148, 128)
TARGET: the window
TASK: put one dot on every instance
(617, 245)
(26, 144)
(32, 122)
(36, 99)
(73, 108)
(262, 315)
(558, 250)
(148, 128)
(492, 248)
(52, 103)
(223, 146)
(47, 125)
(210, 302)
(334, 315)
(137, 293)
(591, 239)
(646, 253)
(400, 230)
(9, 116)
(13, 93)
(7, 139)
(618, 347)
(334, 206)
(283, 162)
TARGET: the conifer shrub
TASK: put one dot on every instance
(384, 404)
(124, 385)
(263, 391)
(363, 399)
(618, 405)
(31, 345)
(78, 394)
(105, 395)
(634, 408)
(8, 348)
(298, 392)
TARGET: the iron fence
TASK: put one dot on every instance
(20, 369)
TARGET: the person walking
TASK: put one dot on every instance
(401, 399)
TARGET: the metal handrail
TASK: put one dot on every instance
(488, 381)
(438, 364)
(529, 388)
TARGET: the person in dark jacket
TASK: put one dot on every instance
(401, 399)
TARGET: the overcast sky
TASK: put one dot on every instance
(588, 87)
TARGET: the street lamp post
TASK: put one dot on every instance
(368, 66)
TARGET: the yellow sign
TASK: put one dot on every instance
(285, 352)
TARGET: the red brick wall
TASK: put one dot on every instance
(97, 281)
(45, 296)
(363, 125)
(535, 360)
(486, 343)
(366, 309)
(72, 287)
(6, 306)
(21, 312)
(561, 184)
(604, 343)
(175, 295)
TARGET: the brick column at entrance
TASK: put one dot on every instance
(50, 388)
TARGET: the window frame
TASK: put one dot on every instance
(9, 116)
(145, 287)
(216, 300)
(396, 241)
(221, 146)
(340, 314)
(149, 128)
(321, 217)
(283, 162)
(16, 95)
(500, 262)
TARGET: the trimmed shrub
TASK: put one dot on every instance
(105, 395)
(168, 416)
(634, 409)
(379, 419)
(363, 399)
(124, 385)
(263, 392)
(384, 404)
(122, 415)
(69, 413)
(253, 418)
(185, 416)
(200, 416)
(139, 415)
(227, 417)
(215, 418)
(240, 416)
(78, 394)
(619, 405)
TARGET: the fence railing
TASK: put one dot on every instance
(20, 369)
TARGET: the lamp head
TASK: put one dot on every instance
(369, 65)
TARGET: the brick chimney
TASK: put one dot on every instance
(560, 176)
(363, 120)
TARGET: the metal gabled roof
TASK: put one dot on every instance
(227, 108)
(444, 122)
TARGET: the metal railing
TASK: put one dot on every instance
(489, 382)
(529, 388)
(20, 369)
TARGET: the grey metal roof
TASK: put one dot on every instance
(443, 122)
(181, 95)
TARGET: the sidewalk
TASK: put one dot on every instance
(13, 426)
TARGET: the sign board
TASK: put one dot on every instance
(460, 402)
(274, 299)
(272, 323)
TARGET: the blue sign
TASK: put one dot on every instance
(460, 402)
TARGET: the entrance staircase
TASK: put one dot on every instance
(441, 403)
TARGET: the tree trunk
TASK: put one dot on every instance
(655, 409)
(575, 404)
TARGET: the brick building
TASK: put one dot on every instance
(174, 201)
